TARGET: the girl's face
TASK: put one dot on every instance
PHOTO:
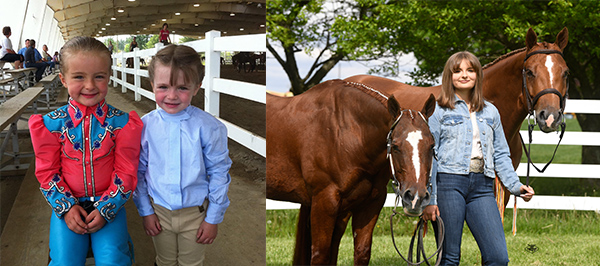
(172, 98)
(86, 78)
(464, 77)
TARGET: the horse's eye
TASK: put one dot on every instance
(529, 73)
(566, 74)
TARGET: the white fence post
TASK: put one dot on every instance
(212, 70)
(123, 74)
(114, 69)
(136, 77)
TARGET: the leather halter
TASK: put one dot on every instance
(395, 182)
(532, 102)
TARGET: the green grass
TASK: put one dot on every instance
(561, 238)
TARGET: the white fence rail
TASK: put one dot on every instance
(554, 170)
(213, 85)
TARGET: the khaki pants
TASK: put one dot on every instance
(176, 243)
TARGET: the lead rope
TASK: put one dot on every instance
(419, 230)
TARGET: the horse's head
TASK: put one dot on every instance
(410, 152)
(545, 82)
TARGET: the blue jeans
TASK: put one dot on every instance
(471, 198)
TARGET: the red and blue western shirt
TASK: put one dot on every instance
(86, 151)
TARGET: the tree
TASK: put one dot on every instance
(432, 30)
(303, 25)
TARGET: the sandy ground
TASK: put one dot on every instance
(241, 239)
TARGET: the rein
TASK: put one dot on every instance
(441, 231)
(419, 230)
(531, 102)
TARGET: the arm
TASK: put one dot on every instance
(432, 211)
(502, 162)
(47, 150)
(124, 175)
(217, 162)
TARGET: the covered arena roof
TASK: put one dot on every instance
(185, 17)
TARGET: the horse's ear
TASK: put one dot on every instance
(562, 38)
(393, 106)
(429, 106)
(530, 39)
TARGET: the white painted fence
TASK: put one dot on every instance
(213, 85)
(554, 170)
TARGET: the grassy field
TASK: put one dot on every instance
(545, 237)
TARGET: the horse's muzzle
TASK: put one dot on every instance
(549, 120)
(414, 203)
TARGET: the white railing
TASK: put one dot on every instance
(213, 85)
(554, 170)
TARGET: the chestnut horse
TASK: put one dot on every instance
(326, 149)
(531, 78)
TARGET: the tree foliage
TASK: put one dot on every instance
(432, 31)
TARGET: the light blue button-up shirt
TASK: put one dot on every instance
(184, 160)
(452, 131)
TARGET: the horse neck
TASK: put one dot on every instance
(502, 86)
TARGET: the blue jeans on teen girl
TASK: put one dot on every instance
(470, 198)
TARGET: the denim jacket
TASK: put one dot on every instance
(452, 131)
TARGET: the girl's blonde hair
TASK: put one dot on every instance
(446, 98)
(179, 58)
(82, 44)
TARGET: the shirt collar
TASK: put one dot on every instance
(78, 111)
(181, 115)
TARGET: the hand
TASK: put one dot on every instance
(206, 233)
(95, 221)
(431, 212)
(73, 219)
(152, 225)
(527, 193)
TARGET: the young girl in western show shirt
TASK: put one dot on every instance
(184, 162)
(87, 155)
(470, 146)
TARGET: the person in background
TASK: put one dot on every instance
(164, 34)
(32, 61)
(47, 58)
(7, 54)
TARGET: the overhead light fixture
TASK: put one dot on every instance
(196, 5)
(177, 14)
(164, 19)
(100, 32)
(145, 28)
(120, 10)
(131, 0)
(113, 18)
(224, 32)
(138, 31)
(241, 29)
(232, 14)
(259, 5)
(103, 28)
(107, 24)
(262, 25)
(196, 24)
(153, 24)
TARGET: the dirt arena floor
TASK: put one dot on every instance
(241, 238)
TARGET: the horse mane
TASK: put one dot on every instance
(370, 91)
(502, 57)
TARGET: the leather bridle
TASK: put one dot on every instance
(531, 104)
